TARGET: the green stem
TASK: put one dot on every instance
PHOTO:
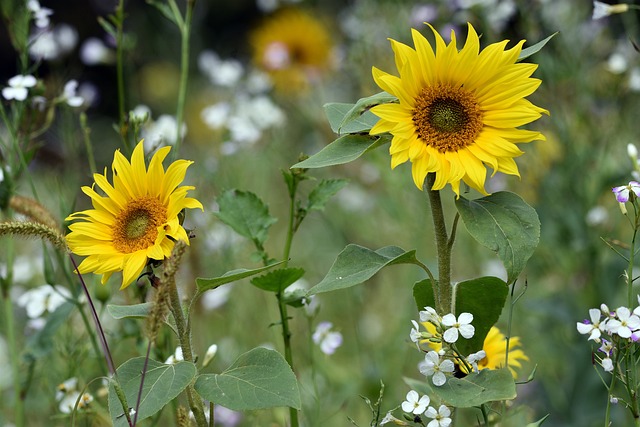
(86, 132)
(15, 358)
(119, 21)
(282, 306)
(195, 403)
(443, 289)
(185, 30)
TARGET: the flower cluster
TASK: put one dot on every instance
(445, 331)
(67, 394)
(613, 329)
(326, 338)
(416, 405)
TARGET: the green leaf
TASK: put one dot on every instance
(295, 298)
(128, 311)
(165, 10)
(504, 223)
(539, 422)
(42, 342)
(483, 297)
(336, 112)
(423, 294)
(343, 150)
(322, 192)
(246, 214)
(162, 383)
(230, 276)
(357, 264)
(362, 106)
(525, 53)
(488, 385)
(108, 27)
(258, 379)
(277, 280)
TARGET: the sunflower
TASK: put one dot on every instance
(457, 111)
(495, 347)
(136, 221)
(293, 47)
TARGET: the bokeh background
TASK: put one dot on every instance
(253, 107)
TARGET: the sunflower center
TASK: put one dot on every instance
(137, 225)
(447, 118)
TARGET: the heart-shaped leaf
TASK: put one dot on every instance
(258, 379)
(504, 223)
(162, 383)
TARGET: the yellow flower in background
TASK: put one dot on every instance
(457, 111)
(293, 47)
(138, 218)
(495, 347)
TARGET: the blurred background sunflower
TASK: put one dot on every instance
(293, 47)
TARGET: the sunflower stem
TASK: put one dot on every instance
(195, 403)
(442, 289)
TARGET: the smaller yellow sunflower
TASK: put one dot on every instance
(495, 347)
(293, 47)
(136, 221)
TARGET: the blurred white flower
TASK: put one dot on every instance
(242, 130)
(263, 112)
(94, 52)
(634, 79)
(68, 402)
(40, 14)
(216, 298)
(617, 63)
(423, 13)
(601, 10)
(597, 215)
(328, 340)
(176, 357)
(215, 116)
(66, 38)
(162, 131)
(23, 269)
(66, 387)
(607, 364)
(258, 82)
(267, 5)
(140, 113)
(43, 299)
(226, 417)
(70, 96)
(221, 72)
(209, 355)
(89, 92)
(50, 44)
(18, 88)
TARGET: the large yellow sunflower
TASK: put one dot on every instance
(137, 219)
(457, 111)
(293, 47)
(495, 347)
